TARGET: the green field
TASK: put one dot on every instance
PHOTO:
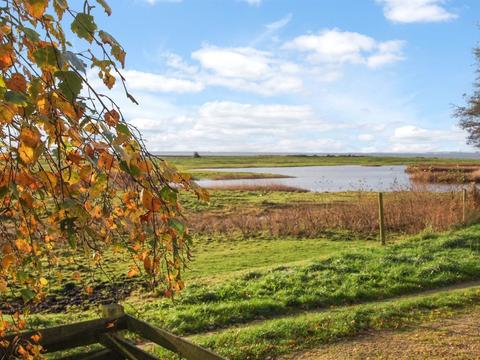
(261, 296)
(189, 162)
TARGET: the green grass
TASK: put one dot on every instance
(189, 162)
(283, 336)
(219, 259)
(351, 277)
(223, 199)
(224, 175)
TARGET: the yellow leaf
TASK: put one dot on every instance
(27, 154)
(7, 112)
(30, 137)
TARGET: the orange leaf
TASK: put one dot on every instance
(7, 56)
(105, 161)
(27, 200)
(133, 271)
(7, 261)
(150, 201)
(36, 8)
(36, 338)
(112, 117)
(23, 246)
(17, 82)
(147, 264)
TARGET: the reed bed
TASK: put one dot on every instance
(447, 174)
(406, 212)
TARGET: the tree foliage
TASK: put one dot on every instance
(74, 175)
(469, 115)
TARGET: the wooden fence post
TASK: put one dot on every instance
(381, 218)
(464, 205)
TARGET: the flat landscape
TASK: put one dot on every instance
(287, 273)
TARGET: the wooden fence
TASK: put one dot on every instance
(107, 332)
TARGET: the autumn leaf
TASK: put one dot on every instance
(17, 82)
(105, 161)
(112, 117)
(36, 8)
(7, 56)
(84, 26)
(30, 137)
(7, 261)
(150, 201)
(23, 246)
(105, 6)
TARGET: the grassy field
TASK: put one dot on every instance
(255, 291)
(189, 162)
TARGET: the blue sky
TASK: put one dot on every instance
(297, 75)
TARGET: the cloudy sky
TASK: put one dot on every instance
(297, 75)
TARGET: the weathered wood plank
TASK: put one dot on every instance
(70, 336)
(127, 349)
(169, 341)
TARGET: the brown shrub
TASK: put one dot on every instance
(405, 212)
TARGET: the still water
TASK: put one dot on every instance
(330, 178)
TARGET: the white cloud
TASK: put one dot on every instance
(233, 126)
(248, 69)
(253, 2)
(335, 46)
(277, 25)
(234, 62)
(138, 80)
(411, 11)
(411, 138)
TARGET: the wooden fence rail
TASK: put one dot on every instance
(105, 331)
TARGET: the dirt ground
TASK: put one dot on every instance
(453, 338)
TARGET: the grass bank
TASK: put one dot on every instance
(352, 277)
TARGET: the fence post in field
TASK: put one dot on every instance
(464, 205)
(381, 218)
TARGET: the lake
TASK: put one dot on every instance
(330, 178)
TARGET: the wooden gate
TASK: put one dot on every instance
(105, 331)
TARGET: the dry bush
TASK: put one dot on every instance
(406, 212)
